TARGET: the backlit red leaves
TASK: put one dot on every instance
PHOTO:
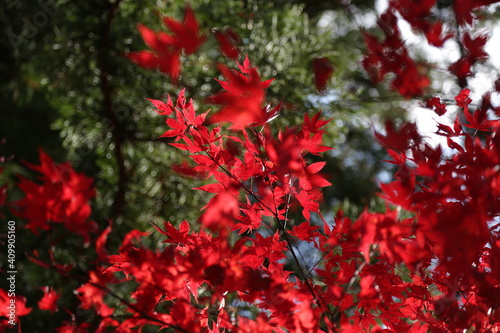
(242, 101)
(312, 179)
(62, 197)
(399, 140)
(464, 9)
(418, 14)
(163, 109)
(92, 294)
(429, 264)
(163, 56)
(391, 56)
(304, 231)
(228, 43)
(184, 112)
(166, 49)
(186, 34)
(410, 81)
(475, 45)
(277, 168)
(221, 211)
(474, 52)
(436, 105)
(450, 200)
(436, 34)
(393, 238)
(479, 119)
(250, 220)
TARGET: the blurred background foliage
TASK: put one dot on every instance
(68, 88)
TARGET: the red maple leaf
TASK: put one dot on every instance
(163, 55)
(49, 300)
(436, 105)
(474, 52)
(185, 116)
(175, 235)
(221, 211)
(314, 124)
(243, 99)
(409, 80)
(418, 14)
(305, 231)
(311, 178)
(63, 197)
(164, 109)
(228, 41)
(391, 56)
(185, 170)
(250, 220)
(92, 294)
(100, 244)
(186, 34)
(20, 308)
(166, 49)
(434, 34)
(461, 69)
(464, 9)
(475, 45)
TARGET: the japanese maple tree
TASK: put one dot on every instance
(428, 263)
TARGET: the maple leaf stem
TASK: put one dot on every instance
(317, 262)
(261, 144)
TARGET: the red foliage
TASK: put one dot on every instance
(418, 14)
(166, 49)
(464, 9)
(436, 105)
(63, 197)
(228, 42)
(49, 300)
(243, 97)
(430, 262)
(164, 56)
(391, 56)
(445, 194)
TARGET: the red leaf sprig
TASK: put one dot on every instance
(166, 49)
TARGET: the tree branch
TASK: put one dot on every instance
(108, 111)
